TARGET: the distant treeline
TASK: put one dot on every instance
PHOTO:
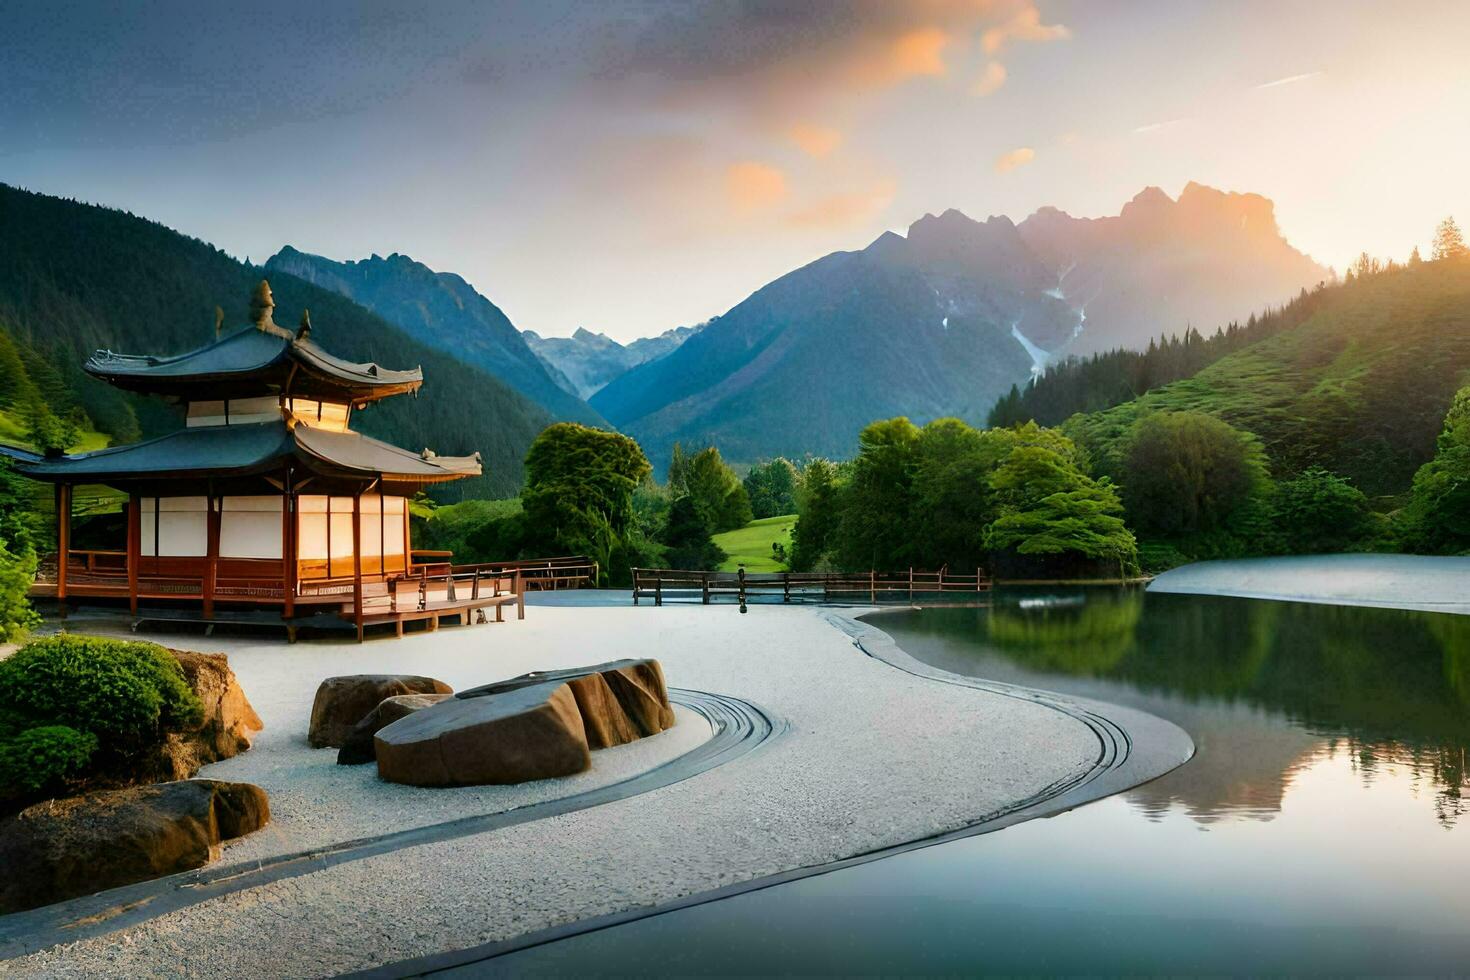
(1092, 384)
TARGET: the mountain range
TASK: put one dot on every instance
(585, 362)
(445, 312)
(943, 320)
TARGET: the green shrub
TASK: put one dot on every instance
(17, 572)
(39, 758)
(125, 693)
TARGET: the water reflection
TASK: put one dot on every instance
(1265, 688)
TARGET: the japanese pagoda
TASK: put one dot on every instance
(266, 496)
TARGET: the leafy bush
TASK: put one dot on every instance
(1437, 519)
(16, 574)
(1321, 512)
(41, 758)
(127, 694)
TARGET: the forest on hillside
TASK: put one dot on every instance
(75, 278)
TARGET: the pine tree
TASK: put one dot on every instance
(1449, 243)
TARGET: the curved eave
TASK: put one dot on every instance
(246, 362)
(198, 453)
(354, 454)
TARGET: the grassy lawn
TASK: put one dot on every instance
(751, 545)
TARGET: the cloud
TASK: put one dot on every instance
(1155, 127)
(990, 80)
(815, 141)
(1023, 25)
(753, 186)
(1018, 157)
(916, 52)
(1289, 80)
(781, 61)
(846, 209)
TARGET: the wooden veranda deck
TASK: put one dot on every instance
(430, 592)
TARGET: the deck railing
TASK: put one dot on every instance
(871, 586)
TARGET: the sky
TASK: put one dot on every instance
(630, 167)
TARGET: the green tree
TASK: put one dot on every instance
(1449, 243)
(1051, 509)
(718, 493)
(875, 531)
(1319, 511)
(579, 490)
(1437, 519)
(1187, 473)
(818, 506)
(952, 499)
(687, 538)
(772, 488)
(678, 471)
(15, 383)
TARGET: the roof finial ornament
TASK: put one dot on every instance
(261, 305)
(304, 330)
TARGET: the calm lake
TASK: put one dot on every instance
(1322, 826)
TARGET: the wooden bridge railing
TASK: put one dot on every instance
(870, 586)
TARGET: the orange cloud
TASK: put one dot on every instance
(1024, 25)
(753, 186)
(1018, 157)
(990, 80)
(847, 209)
(815, 141)
(918, 52)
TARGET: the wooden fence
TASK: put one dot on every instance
(871, 587)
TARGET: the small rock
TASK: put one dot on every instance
(64, 848)
(358, 748)
(341, 702)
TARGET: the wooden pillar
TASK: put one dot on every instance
(135, 549)
(211, 560)
(520, 587)
(357, 563)
(873, 585)
(289, 550)
(63, 541)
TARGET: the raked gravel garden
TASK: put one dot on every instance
(865, 756)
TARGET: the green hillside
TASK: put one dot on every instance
(1360, 388)
(751, 545)
(76, 277)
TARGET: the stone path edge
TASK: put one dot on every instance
(739, 728)
(1134, 747)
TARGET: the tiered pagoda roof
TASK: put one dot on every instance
(260, 360)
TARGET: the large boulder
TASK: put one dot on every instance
(531, 732)
(225, 730)
(359, 748)
(341, 702)
(63, 848)
(621, 700)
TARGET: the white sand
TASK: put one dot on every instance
(1429, 584)
(874, 757)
